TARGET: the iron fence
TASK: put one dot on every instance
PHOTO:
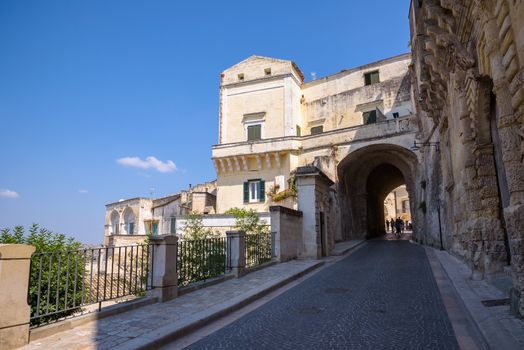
(61, 283)
(201, 259)
(258, 249)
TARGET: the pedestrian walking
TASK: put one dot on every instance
(392, 223)
(387, 225)
(398, 226)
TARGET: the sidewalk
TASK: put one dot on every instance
(500, 329)
(152, 325)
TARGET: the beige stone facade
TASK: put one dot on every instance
(396, 204)
(129, 221)
(468, 60)
(272, 122)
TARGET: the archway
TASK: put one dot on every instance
(129, 221)
(366, 177)
(115, 223)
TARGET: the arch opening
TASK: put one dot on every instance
(366, 178)
(115, 223)
(129, 221)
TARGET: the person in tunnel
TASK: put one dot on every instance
(392, 223)
(398, 226)
(387, 225)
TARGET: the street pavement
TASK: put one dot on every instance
(383, 296)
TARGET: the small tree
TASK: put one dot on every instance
(199, 255)
(248, 221)
(194, 228)
(258, 240)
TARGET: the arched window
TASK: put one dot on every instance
(129, 221)
(115, 223)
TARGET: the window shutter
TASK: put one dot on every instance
(262, 191)
(246, 192)
(173, 226)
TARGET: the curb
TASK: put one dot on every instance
(348, 249)
(169, 333)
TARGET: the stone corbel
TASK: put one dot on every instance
(244, 163)
(237, 164)
(222, 165)
(277, 159)
(216, 164)
(229, 164)
(259, 161)
(268, 160)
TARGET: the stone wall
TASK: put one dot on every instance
(468, 60)
(286, 226)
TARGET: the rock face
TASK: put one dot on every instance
(467, 76)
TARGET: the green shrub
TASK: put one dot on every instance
(248, 221)
(46, 269)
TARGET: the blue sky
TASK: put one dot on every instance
(85, 83)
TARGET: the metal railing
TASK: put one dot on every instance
(258, 249)
(62, 282)
(201, 259)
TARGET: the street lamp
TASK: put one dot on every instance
(417, 145)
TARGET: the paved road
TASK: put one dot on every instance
(383, 296)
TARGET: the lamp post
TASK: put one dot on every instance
(417, 145)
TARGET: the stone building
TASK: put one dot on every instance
(271, 121)
(345, 138)
(129, 221)
(467, 75)
(396, 204)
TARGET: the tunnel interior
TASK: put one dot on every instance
(381, 181)
(366, 176)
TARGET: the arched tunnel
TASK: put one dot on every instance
(366, 176)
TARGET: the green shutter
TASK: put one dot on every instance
(173, 226)
(246, 192)
(262, 190)
(258, 132)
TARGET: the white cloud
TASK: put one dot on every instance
(149, 162)
(82, 191)
(8, 193)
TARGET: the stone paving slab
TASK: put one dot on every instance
(152, 325)
(500, 329)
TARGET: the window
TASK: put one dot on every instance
(130, 228)
(254, 191)
(395, 115)
(369, 117)
(267, 71)
(151, 227)
(172, 226)
(317, 130)
(254, 132)
(299, 131)
(371, 78)
(240, 76)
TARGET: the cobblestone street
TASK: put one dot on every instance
(383, 296)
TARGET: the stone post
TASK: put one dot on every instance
(236, 250)
(313, 188)
(14, 281)
(286, 231)
(165, 279)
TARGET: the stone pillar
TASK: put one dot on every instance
(286, 228)
(236, 251)
(14, 280)
(313, 187)
(165, 279)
